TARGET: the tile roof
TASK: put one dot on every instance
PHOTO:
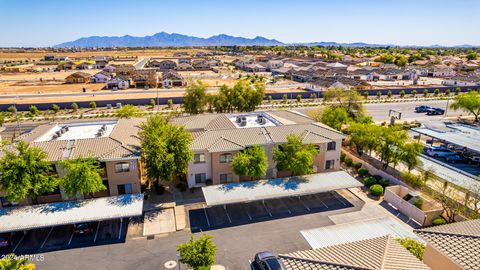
(458, 241)
(123, 142)
(381, 253)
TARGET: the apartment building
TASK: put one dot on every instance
(217, 138)
(114, 143)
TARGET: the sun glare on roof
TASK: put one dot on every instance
(78, 131)
(249, 120)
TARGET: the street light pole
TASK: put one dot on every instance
(446, 108)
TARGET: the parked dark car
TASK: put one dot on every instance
(4, 242)
(83, 229)
(435, 111)
(455, 159)
(421, 108)
(268, 261)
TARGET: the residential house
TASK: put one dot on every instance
(145, 78)
(440, 71)
(84, 65)
(99, 64)
(454, 246)
(200, 64)
(184, 61)
(162, 65)
(172, 79)
(100, 77)
(184, 67)
(109, 69)
(123, 69)
(78, 77)
(217, 138)
(323, 83)
(118, 82)
(114, 144)
(274, 64)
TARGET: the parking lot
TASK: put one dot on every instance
(63, 237)
(215, 217)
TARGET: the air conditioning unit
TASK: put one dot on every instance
(261, 120)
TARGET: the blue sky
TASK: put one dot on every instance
(402, 22)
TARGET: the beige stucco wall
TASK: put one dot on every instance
(131, 177)
(194, 168)
(437, 261)
(221, 168)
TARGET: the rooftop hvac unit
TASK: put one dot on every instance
(119, 105)
(54, 137)
(261, 120)
(109, 106)
(66, 128)
(243, 122)
(104, 127)
(238, 119)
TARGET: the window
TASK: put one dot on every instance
(226, 158)
(199, 158)
(226, 178)
(122, 167)
(200, 178)
(124, 189)
(329, 164)
(331, 146)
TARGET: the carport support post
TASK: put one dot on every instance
(120, 231)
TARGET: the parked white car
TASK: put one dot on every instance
(438, 151)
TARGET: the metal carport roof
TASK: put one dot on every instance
(278, 187)
(70, 212)
(461, 135)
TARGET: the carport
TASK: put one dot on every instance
(457, 134)
(39, 222)
(278, 188)
(235, 204)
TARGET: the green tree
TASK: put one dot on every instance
(74, 106)
(389, 94)
(10, 262)
(92, 105)
(26, 172)
(198, 254)
(334, 117)
(472, 56)
(447, 92)
(195, 98)
(365, 94)
(12, 109)
(436, 92)
(409, 154)
(391, 139)
(379, 94)
(33, 110)
(165, 147)
(251, 162)
(350, 100)
(414, 93)
(412, 245)
(128, 111)
(402, 93)
(299, 98)
(468, 102)
(364, 137)
(425, 93)
(170, 103)
(82, 176)
(152, 103)
(295, 157)
(55, 108)
(285, 99)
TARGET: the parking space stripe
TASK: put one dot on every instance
(304, 205)
(266, 208)
(320, 200)
(290, 212)
(120, 230)
(246, 211)
(96, 232)
(206, 216)
(226, 212)
(46, 238)
(71, 236)
(18, 244)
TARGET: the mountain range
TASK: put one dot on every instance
(163, 39)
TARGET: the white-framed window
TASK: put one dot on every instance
(200, 178)
(329, 164)
(122, 167)
(226, 178)
(199, 158)
(226, 158)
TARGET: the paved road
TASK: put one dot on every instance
(141, 63)
(379, 111)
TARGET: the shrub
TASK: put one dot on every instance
(34, 110)
(376, 190)
(74, 106)
(362, 172)
(384, 182)
(92, 105)
(342, 156)
(152, 103)
(447, 92)
(377, 177)
(55, 108)
(418, 203)
(389, 94)
(457, 90)
(182, 186)
(425, 93)
(438, 221)
(379, 94)
(299, 98)
(357, 165)
(411, 179)
(402, 93)
(369, 181)
(436, 92)
(348, 161)
(414, 93)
